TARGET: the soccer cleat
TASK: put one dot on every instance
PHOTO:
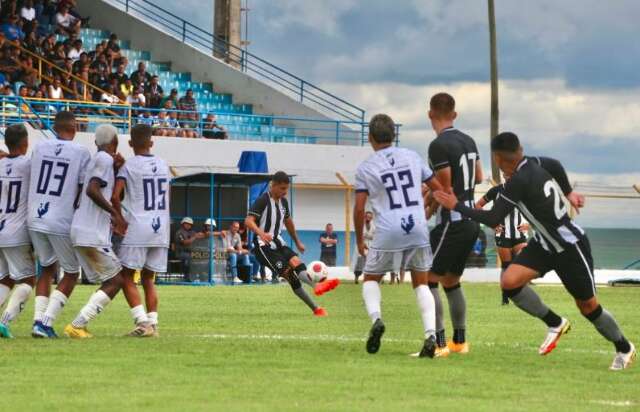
(623, 360)
(429, 348)
(553, 336)
(375, 335)
(5, 332)
(77, 333)
(320, 312)
(326, 286)
(156, 332)
(143, 330)
(442, 352)
(41, 331)
(462, 348)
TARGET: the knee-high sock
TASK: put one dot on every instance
(92, 309)
(609, 329)
(16, 303)
(457, 311)
(372, 299)
(57, 300)
(41, 303)
(427, 309)
(303, 275)
(297, 288)
(4, 293)
(440, 335)
(139, 315)
(528, 300)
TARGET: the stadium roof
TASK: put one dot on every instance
(240, 179)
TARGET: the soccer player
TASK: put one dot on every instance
(266, 218)
(143, 181)
(511, 234)
(91, 231)
(16, 259)
(57, 174)
(454, 158)
(558, 244)
(391, 179)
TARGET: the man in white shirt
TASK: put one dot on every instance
(16, 260)
(91, 231)
(57, 171)
(144, 182)
(76, 51)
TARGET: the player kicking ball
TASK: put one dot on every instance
(266, 218)
(91, 231)
(558, 244)
(391, 179)
(17, 266)
(143, 181)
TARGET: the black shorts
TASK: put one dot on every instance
(277, 260)
(574, 266)
(451, 243)
(509, 243)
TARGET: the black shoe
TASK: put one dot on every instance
(375, 334)
(505, 299)
(429, 348)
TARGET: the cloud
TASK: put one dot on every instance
(319, 16)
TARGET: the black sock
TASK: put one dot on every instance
(458, 336)
(552, 319)
(441, 338)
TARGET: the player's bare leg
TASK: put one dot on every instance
(56, 301)
(426, 305)
(457, 311)
(151, 298)
(373, 303)
(132, 295)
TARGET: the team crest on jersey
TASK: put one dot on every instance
(154, 168)
(9, 170)
(2, 224)
(155, 224)
(391, 160)
(278, 265)
(58, 149)
(43, 209)
(407, 224)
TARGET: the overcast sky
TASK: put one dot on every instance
(569, 70)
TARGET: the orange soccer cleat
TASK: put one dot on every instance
(320, 312)
(326, 286)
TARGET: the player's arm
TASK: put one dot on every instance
(490, 196)
(250, 223)
(557, 171)
(291, 228)
(94, 193)
(479, 172)
(118, 194)
(439, 161)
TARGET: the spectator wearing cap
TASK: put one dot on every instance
(187, 102)
(170, 102)
(141, 77)
(210, 229)
(185, 236)
(154, 93)
(212, 130)
(236, 254)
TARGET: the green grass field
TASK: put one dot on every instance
(257, 348)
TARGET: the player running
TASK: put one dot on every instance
(558, 244)
(57, 174)
(144, 183)
(266, 218)
(91, 231)
(454, 158)
(16, 258)
(391, 178)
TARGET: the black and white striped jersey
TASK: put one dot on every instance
(511, 222)
(536, 194)
(458, 151)
(270, 215)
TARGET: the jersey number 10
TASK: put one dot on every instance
(13, 196)
(390, 181)
(154, 194)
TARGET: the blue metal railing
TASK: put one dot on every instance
(294, 86)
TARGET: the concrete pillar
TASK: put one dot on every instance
(227, 26)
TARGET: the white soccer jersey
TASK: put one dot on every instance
(146, 201)
(14, 191)
(91, 224)
(393, 179)
(57, 171)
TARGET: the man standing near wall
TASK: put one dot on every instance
(328, 246)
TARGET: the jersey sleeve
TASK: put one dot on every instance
(492, 194)
(426, 173)
(438, 158)
(361, 181)
(102, 168)
(514, 189)
(287, 211)
(556, 170)
(123, 173)
(258, 207)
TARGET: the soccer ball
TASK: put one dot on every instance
(318, 271)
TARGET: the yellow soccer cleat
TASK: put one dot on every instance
(77, 333)
(462, 348)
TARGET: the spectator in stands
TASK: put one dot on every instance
(154, 93)
(189, 125)
(48, 44)
(82, 61)
(170, 102)
(28, 16)
(31, 43)
(236, 254)
(127, 88)
(10, 65)
(76, 50)
(9, 8)
(55, 89)
(147, 118)
(164, 125)
(28, 73)
(210, 229)
(187, 102)
(59, 55)
(185, 236)
(141, 77)
(113, 51)
(108, 96)
(66, 23)
(11, 29)
(99, 64)
(174, 126)
(328, 242)
(212, 130)
(119, 75)
(100, 48)
(137, 98)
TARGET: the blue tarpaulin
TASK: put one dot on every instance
(254, 162)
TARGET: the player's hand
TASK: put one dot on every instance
(499, 229)
(523, 228)
(362, 248)
(119, 225)
(118, 161)
(300, 246)
(266, 237)
(577, 200)
(447, 200)
(199, 235)
(3, 154)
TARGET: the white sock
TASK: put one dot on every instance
(41, 305)
(139, 315)
(97, 302)
(372, 299)
(427, 306)
(4, 293)
(16, 304)
(57, 300)
(153, 317)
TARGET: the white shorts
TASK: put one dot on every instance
(139, 257)
(17, 262)
(379, 262)
(55, 248)
(98, 264)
